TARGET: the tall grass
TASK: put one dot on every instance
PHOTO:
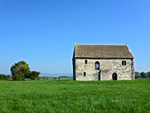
(64, 96)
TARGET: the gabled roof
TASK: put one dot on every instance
(102, 51)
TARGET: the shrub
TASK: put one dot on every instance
(5, 77)
(35, 75)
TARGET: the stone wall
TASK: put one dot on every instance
(107, 68)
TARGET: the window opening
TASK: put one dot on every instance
(123, 62)
(85, 61)
(97, 65)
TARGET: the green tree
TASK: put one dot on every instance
(20, 71)
(34, 75)
(5, 77)
(144, 75)
(137, 75)
(148, 74)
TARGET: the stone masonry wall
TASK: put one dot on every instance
(107, 68)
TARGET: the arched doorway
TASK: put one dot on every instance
(114, 76)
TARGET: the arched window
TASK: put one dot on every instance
(97, 65)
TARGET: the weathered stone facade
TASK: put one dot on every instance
(114, 63)
(107, 68)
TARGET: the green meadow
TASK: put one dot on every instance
(68, 96)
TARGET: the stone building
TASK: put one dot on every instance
(102, 62)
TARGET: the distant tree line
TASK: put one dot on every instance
(5, 77)
(142, 75)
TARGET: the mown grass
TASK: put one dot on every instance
(67, 96)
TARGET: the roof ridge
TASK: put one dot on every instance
(97, 45)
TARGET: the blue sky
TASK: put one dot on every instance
(43, 32)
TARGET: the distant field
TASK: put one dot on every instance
(67, 96)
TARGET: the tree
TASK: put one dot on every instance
(20, 71)
(148, 74)
(34, 75)
(137, 75)
(5, 77)
(144, 75)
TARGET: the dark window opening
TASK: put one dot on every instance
(84, 73)
(123, 62)
(97, 65)
(85, 61)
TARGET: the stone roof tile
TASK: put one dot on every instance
(102, 51)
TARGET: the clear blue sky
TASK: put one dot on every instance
(43, 32)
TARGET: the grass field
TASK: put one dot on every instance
(67, 96)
